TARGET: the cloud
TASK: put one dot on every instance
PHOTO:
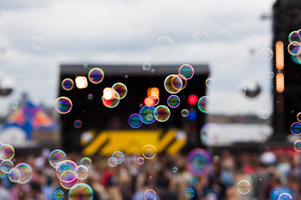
(115, 31)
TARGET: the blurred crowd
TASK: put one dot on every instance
(269, 175)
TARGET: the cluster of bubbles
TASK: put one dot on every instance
(67, 171)
(116, 159)
(296, 130)
(148, 115)
(173, 84)
(294, 46)
(112, 95)
(148, 152)
(21, 173)
(199, 162)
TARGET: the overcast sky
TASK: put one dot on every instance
(115, 31)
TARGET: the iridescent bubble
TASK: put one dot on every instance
(7, 152)
(264, 114)
(209, 82)
(86, 161)
(175, 169)
(294, 37)
(266, 54)
(63, 105)
(119, 157)
(147, 114)
(112, 101)
(96, 75)
(77, 123)
(189, 193)
(296, 59)
(68, 176)
(285, 196)
(297, 145)
(69, 185)
(205, 104)
(164, 44)
(209, 133)
(299, 116)
(135, 121)
(243, 187)
(6, 166)
(37, 43)
(80, 191)
(223, 34)
(90, 96)
(162, 113)
(146, 66)
(112, 162)
(173, 84)
(121, 89)
(294, 48)
(67, 84)
(14, 175)
(237, 14)
(185, 113)
(15, 105)
(61, 166)
(25, 171)
(296, 128)
(82, 172)
(187, 71)
(149, 151)
(85, 65)
(173, 101)
(59, 195)
(199, 162)
(56, 156)
(240, 90)
(184, 81)
(150, 194)
(140, 160)
(200, 38)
